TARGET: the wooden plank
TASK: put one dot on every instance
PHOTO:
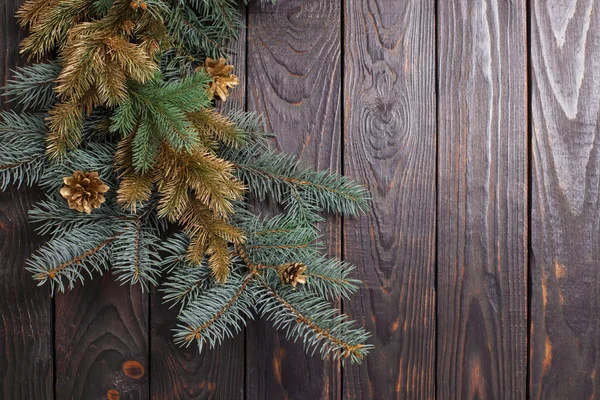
(389, 145)
(26, 365)
(565, 245)
(26, 310)
(102, 341)
(482, 201)
(294, 81)
(183, 373)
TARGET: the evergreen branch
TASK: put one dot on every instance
(196, 333)
(273, 173)
(217, 313)
(50, 26)
(185, 284)
(65, 122)
(33, 86)
(136, 253)
(22, 156)
(83, 250)
(51, 273)
(177, 160)
(308, 317)
(91, 157)
(53, 216)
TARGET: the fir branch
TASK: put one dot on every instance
(65, 123)
(156, 112)
(53, 217)
(84, 250)
(136, 253)
(276, 174)
(194, 33)
(33, 86)
(92, 157)
(177, 160)
(22, 156)
(49, 24)
(212, 125)
(185, 284)
(209, 237)
(308, 317)
(217, 313)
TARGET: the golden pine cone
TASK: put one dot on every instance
(292, 273)
(83, 191)
(222, 76)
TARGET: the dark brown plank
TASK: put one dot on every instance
(294, 81)
(482, 203)
(26, 368)
(183, 373)
(389, 144)
(565, 246)
(102, 341)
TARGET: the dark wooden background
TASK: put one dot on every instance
(475, 124)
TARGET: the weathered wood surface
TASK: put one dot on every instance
(482, 200)
(101, 344)
(390, 145)
(450, 243)
(294, 61)
(26, 351)
(181, 373)
(26, 347)
(565, 203)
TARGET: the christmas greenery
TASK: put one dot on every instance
(118, 126)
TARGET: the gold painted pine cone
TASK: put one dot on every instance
(222, 75)
(292, 273)
(84, 191)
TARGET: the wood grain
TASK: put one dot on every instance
(389, 145)
(294, 51)
(102, 341)
(26, 370)
(183, 373)
(26, 365)
(565, 241)
(482, 203)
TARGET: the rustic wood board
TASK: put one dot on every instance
(101, 344)
(482, 200)
(182, 373)
(26, 356)
(565, 218)
(390, 146)
(294, 55)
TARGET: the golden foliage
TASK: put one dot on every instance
(32, 10)
(196, 189)
(65, 122)
(208, 177)
(212, 125)
(99, 57)
(209, 236)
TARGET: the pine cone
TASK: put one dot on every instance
(223, 79)
(292, 273)
(84, 191)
